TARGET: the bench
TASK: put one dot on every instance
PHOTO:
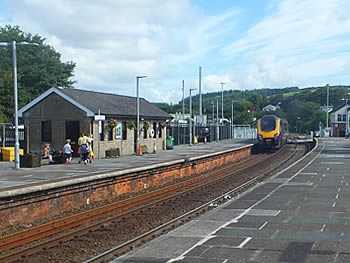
(57, 156)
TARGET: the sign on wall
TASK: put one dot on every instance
(118, 131)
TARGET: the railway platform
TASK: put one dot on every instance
(26, 177)
(302, 214)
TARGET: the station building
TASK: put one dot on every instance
(63, 113)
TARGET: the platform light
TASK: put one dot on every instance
(14, 57)
(138, 111)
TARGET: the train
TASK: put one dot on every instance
(272, 132)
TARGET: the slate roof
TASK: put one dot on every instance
(111, 105)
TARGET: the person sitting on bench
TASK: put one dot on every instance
(47, 154)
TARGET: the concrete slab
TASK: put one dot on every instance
(298, 216)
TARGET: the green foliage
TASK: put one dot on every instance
(131, 125)
(38, 69)
(301, 107)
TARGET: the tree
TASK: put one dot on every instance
(38, 69)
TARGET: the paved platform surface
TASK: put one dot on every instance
(299, 215)
(12, 179)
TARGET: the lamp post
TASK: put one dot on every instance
(347, 119)
(327, 107)
(212, 104)
(222, 99)
(14, 58)
(217, 118)
(183, 99)
(232, 120)
(138, 112)
(191, 116)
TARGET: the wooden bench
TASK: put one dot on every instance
(57, 157)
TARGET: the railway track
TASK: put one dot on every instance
(19, 246)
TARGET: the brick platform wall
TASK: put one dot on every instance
(28, 208)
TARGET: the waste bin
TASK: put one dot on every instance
(169, 142)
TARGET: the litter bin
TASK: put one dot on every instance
(169, 142)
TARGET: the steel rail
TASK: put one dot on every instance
(161, 229)
(123, 208)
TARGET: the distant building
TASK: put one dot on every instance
(270, 108)
(60, 114)
(339, 120)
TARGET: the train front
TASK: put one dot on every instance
(269, 131)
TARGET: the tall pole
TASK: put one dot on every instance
(14, 59)
(232, 120)
(191, 116)
(327, 107)
(138, 111)
(222, 99)
(183, 99)
(217, 118)
(346, 119)
(212, 118)
(200, 91)
(14, 56)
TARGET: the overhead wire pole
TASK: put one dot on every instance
(327, 107)
(222, 100)
(183, 100)
(191, 116)
(217, 118)
(232, 120)
(200, 91)
(14, 59)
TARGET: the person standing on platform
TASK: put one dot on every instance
(81, 140)
(85, 151)
(68, 152)
(90, 140)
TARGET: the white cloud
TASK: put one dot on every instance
(295, 42)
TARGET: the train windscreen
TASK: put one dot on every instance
(268, 123)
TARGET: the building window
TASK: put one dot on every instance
(124, 130)
(101, 129)
(341, 118)
(46, 131)
(110, 133)
(145, 129)
(159, 130)
(154, 130)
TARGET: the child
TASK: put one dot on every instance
(68, 152)
(47, 154)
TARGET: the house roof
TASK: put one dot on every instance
(341, 108)
(269, 107)
(111, 105)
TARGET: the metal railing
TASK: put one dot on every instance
(181, 133)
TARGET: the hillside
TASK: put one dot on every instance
(303, 108)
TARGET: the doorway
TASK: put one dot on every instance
(72, 133)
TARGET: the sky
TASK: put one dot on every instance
(246, 44)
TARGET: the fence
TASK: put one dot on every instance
(7, 136)
(181, 133)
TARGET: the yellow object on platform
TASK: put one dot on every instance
(8, 153)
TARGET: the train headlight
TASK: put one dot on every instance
(260, 137)
(276, 136)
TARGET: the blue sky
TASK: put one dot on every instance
(247, 44)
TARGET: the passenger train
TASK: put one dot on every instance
(272, 132)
